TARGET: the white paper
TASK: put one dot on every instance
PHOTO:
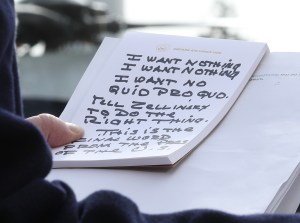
(156, 98)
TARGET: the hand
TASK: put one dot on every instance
(56, 131)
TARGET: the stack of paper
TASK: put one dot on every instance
(246, 165)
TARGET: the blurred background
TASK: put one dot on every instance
(58, 38)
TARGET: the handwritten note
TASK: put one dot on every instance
(154, 96)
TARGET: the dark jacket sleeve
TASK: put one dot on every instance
(109, 207)
(25, 196)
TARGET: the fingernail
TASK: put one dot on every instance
(75, 128)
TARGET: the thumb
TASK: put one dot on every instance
(56, 131)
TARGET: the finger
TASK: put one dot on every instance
(56, 131)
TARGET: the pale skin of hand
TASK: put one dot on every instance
(56, 131)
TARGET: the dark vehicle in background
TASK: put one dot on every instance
(58, 22)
